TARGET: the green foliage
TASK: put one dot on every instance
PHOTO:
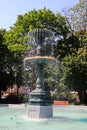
(16, 39)
(71, 49)
(68, 46)
(75, 67)
(5, 60)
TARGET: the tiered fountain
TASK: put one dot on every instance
(14, 117)
(40, 102)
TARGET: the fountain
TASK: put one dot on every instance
(42, 115)
(40, 103)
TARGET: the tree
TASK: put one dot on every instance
(77, 16)
(75, 68)
(5, 61)
(16, 38)
(72, 51)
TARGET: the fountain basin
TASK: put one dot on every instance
(40, 59)
(14, 117)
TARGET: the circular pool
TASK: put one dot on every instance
(14, 117)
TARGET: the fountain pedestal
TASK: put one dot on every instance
(40, 111)
(40, 98)
(40, 104)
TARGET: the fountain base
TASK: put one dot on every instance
(40, 111)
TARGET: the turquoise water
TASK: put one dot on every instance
(64, 118)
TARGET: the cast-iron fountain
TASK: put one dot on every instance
(40, 102)
(44, 115)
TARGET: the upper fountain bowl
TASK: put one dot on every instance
(40, 37)
(40, 42)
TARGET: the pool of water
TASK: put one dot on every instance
(64, 118)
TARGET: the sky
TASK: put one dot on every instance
(10, 9)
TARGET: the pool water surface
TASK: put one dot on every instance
(64, 118)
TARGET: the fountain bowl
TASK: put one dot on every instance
(40, 59)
